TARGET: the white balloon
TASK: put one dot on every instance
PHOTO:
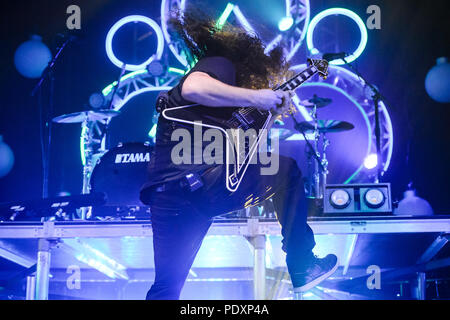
(32, 57)
(437, 82)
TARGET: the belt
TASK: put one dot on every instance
(191, 182)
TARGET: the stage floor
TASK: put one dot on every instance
(112, 252)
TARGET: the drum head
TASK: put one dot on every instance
(121, 172)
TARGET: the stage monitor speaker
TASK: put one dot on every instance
(357, 199)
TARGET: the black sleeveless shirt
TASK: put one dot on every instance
(161, 168)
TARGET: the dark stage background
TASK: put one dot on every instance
(396, 59)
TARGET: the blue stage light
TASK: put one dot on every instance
(371, 161)
(285, 23)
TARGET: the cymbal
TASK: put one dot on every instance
(325, 126)
(316, 101)
(91, 115)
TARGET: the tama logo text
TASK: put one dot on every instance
(132, 157)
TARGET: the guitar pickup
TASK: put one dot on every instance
(244, 120)
(247, 118)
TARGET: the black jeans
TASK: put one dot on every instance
(181, 219)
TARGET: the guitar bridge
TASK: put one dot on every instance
(243, 119)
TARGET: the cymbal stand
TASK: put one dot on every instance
(88, 165)
(316, 175)
(325, 144)
(320, 171)
(46, 115)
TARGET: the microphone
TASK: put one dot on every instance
(334, 56)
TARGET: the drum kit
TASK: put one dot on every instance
(122, 170)
(118, 173)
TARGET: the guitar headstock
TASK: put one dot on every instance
(321, 65)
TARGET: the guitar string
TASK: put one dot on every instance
(306, 73)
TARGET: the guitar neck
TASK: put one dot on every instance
(298, 79)
(315, 67)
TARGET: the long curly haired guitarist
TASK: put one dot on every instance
(231, 72)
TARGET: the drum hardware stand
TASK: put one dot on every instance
(316, 176)
(320, 165)
(87, 155)
(313, 153)
(89, 127)
(85, 212)
(377, 97)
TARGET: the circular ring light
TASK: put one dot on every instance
(374, 198)
(122, 22)
(340, 199)
(337, 11)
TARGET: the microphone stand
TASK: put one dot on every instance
(50, 65)
(377, 97)
(48, 73)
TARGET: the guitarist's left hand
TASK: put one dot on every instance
(286, 102)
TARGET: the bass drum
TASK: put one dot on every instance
(120, 174)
